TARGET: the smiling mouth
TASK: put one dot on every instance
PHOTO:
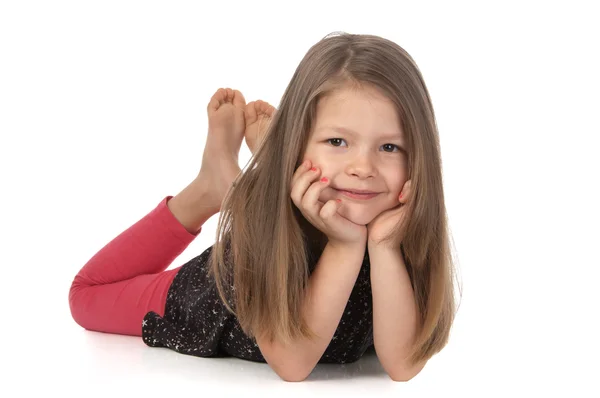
(354, 195)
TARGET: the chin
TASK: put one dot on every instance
(358, 217)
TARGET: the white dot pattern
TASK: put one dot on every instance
(197, 323)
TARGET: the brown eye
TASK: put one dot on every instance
(334, 139)
(393, 146)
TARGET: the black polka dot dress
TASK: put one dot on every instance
(197, 323)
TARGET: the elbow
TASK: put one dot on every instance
(399, 377)
(293, 377)
(405, 374)
(289, 365)
(291, 370)
(293, 373)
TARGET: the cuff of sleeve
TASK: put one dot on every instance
(172, 224)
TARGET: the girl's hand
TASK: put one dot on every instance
(305, 191)
(388, 220)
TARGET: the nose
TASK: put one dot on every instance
(362, 166)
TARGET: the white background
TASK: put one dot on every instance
(103, 113)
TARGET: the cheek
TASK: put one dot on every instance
(316, 157)
(395, 183)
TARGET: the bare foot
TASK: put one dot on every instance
(258, 117)
(226, 127)
(226, 121)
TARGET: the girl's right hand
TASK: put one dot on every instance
(305, 192)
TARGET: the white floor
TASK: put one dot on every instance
(50, 353)
(44, 351)
(47, 352)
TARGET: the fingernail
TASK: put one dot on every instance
(324, 179)
(313, 169)
(400, 196)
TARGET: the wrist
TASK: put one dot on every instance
(371, 245)
(345, 247)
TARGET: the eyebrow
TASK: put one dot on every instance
(348, 131)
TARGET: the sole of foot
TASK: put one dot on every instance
(258, 116)
(226, 128)
(226, 120)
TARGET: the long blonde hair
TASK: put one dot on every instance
(259, 260)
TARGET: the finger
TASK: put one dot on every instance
(329, 210)
(332, 219)
(306, 185)
(310, 201)
(406, 192)
(301, 182)
(300, 171)
(302, 168)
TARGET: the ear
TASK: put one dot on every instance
(405, 193)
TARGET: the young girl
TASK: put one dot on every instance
(334, 239)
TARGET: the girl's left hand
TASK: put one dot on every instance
(386, 222)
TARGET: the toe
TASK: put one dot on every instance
(265, 108)
(218, 98)
(238, 99)
(229, 94)
(270, 110)
(250, 113)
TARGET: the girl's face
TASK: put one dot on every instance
(358, 144)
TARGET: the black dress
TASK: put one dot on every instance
(197, 323)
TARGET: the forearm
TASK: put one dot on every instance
(190, 205)
(394, 312)
(327, 295)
